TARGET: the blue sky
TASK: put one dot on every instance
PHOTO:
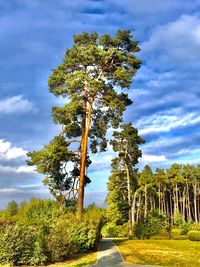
(34, 35)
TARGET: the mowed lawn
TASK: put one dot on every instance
(182, 253)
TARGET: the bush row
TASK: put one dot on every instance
(40, 244)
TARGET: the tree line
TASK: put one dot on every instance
(171, 191)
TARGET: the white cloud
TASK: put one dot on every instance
(153, 158)
(189, 152)
(15, 152)
(161, 142)
(25, 169)
(165, 121)
(4, 146)
(174, 43)
(16, 104)
(21, 169)
(7, 152)
(11, 190)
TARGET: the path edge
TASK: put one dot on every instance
(119, 252)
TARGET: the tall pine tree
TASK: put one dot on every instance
(126, 142)
(91, 78)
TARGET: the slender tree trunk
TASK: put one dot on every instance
(159, 202)
(138, 209)
(184, 217)
(171, 207)
(188, 201)
(168, 208)
(164, 206)
(154, 204)
(177, 204)
(130, 233)
(145, 200)
(84, 159)
(134, 207)
(195, 202)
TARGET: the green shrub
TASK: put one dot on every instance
(25, 244)
(21, 244)
(60, 242)
(175, 233)
(113, 230)
(11, 209)
(164, 234)
(84, 236)
(194, 226)
(185, 227)
(178, 219)
(40, 253)
(194, 235)
(152, 225)
(38, 211)
(181, 237)
(4, 222)
(16, 244)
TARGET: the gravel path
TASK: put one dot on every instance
(109, 256)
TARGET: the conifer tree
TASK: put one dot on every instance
(126, 142)
(91, 78)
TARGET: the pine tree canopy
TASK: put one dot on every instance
(101, 66)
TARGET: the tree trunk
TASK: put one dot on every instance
(159, 202)
(177, 202)
(184, 217)
(138, 209)
(84, 159)
(164, 203)
(134, 207)
(171, 207)
(188, 201)
(195, 202)
(130, 232)
(145, 200)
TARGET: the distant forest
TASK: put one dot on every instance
(171, 191)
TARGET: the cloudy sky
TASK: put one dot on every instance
(34, 35)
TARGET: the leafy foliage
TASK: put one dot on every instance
(11, 209)
(152, 225)
(50, 162)
(113, 230)
(38, 212)
(42, 234)
(194, 235)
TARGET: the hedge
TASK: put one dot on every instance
(22, 244)
(194, 235)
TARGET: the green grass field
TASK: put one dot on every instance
(171, 253)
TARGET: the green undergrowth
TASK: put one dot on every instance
(41, 234)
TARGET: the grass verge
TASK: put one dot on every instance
(171, 253)
(85, 259)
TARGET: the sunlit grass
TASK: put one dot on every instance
(171, 253)
(85, 259)
(81, 260)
